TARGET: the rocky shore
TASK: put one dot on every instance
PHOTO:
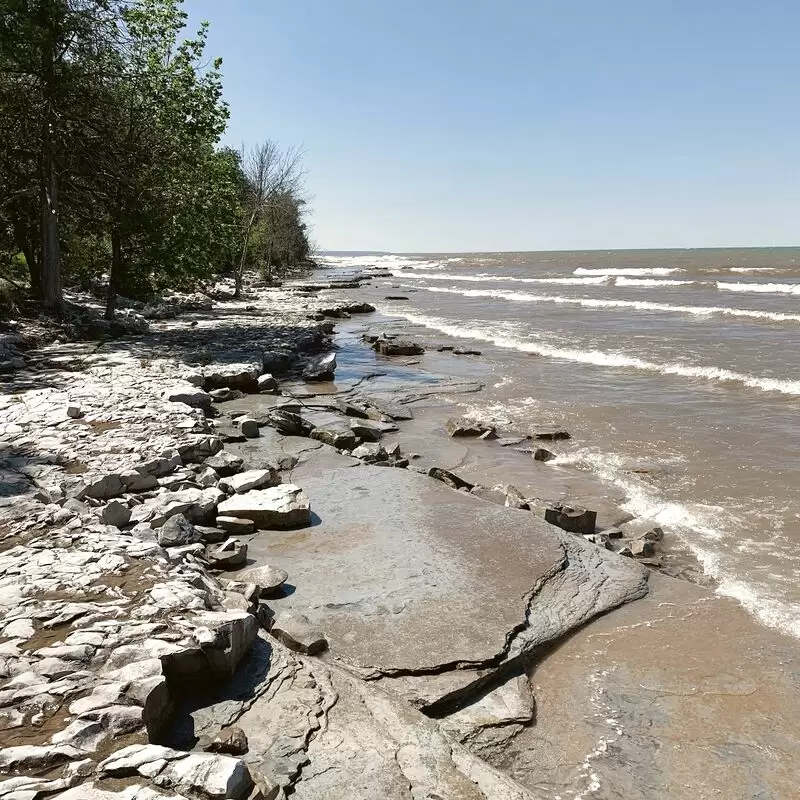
(255, 551)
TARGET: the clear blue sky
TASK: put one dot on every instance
(525, 124)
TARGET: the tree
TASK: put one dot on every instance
(271, 174)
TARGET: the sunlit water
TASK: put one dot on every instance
(689, 360)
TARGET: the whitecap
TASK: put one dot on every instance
(761, 288)
(603, 359)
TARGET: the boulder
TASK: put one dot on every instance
(450, 479)
(335, 435)
(232, 741)
(116, 514)
(370, 453)
(187, 394)
(177, 531)
(269, 579)
(288, 423)
(219, 642)
(321, 368)
(367, 431)
(241, 377)
(267, 383)
(573, 520)
(548, 432)
(224, 464)
(540, 454)
(277, 362)
(252, 479)
(297, 632)
(228, 555)
(249, 428)
(387, 347)
(280, 507)
(465, 427)
(235, 525)
(209, 776)
(643, 548)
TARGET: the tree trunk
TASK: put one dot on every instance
(115, 277)
(50, 268)
(50, 273)
(239, 273)
(25, 242)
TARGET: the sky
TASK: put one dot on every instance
(486, 125)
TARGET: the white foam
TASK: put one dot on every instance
(761, 288)
(483, 278)
(602, 359)
(756, 269)
(385, 261)
(635, 305)
(651, 282)
(626, 271)
(701, 528)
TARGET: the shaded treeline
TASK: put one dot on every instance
(110, 165)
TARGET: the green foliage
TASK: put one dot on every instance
(111, 122)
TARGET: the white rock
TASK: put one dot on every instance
(217, 776)
(281, 507)
(252, 479)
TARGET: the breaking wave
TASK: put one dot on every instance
(761, 288)
(636, 305)
(653, 271)
(603, 359)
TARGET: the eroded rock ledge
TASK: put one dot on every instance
(124, 653)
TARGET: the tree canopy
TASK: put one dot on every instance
(111, 166)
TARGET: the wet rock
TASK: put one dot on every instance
(358, 308)
(269, 579)
(224, 464)
(229, 555)
(395, 297)
(249, 427)
(297, 633)
(232, 741)
(573, 520)
(450, 479)
(465, 351)
(321, 368)
(549, 432)
(252, 479)
(115, 513)
(281, 507)
(540, 454)
(177, 531)
(642, 528)
(464, 427)
(387, 347)
(235, 525)
(642, 548)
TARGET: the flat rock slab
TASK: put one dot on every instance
(405, 575)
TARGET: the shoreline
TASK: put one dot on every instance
(371, 587)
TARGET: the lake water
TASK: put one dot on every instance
(686, 361)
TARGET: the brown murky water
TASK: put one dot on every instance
(677, 371)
